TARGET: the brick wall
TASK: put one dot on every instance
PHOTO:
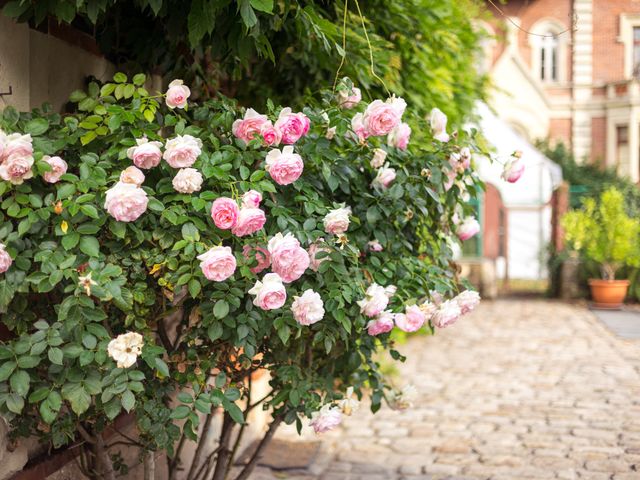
(598, 140)
(560, 130)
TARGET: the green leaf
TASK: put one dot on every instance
(155, 5)
(139, 79)
(162, 367)
(89, 341)
(248, 15)
(16, 8)
(201, 20)
(28, 361)
(89, 211)
(215, 331)
(263, 5)
(194, 287)
(90, 246)
(15, 403)
(70, 240)
(19, 382)
(234, 411)
(180, 412)
(48, 415)
(77, 396)
(221, 309)
(39, 395)
(128, 400)
(119, 77)
(37, 126)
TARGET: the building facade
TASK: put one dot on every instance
(569, 70)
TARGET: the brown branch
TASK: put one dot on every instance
(206, 427)
(207, 464)
(248, 469)
(224, 454)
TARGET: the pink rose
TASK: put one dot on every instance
(224, 213)
(58, 168)
(182, 151)
(270, 134)
(251, 199)
(399, 136)
(126, 202)
(429, 310)
(177, 94)
(468, 228)
(357, 125)
(288, 258)
(308, 308)
(218, 263)
(330, 133)
(384, 177)
(5, 259)
(513, 169)
(349, 99)
(380, 117)
(374, 246)
(467, 301)
(411, 320)
(379, 156)
(16, 144)
(145, 154)
(292, 125)
(250, 220)
(284, 166)
(438, 122)
(446, 314)
(260, 254)
(337, 220)
(270, 292)
(251, 125)
(383, 323)
(132, 175)
(314, 249)
(16, 168)
(465, 158)
(374, 301)
(436, 297)
(187, 180)
(451, 178)
(328, 418)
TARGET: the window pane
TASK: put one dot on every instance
(542, 61)
(554, 63)
(636, 34)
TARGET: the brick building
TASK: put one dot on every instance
(569, 70)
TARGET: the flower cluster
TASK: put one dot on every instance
(16, 157)
(288, 128)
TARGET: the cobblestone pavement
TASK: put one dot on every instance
(520, 389)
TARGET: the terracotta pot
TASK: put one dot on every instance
(608, 293)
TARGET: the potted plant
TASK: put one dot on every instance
(604, 233)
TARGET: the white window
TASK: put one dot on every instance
(549, 58)
(548, 42)
(630, 36)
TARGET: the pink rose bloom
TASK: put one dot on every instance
(260, 254)
(429, 310)
(270, 292)
(384, 177)
(465, 158)
(374, 301)
(5, 259)
(411, 320)
(436, 297)
(383, 323)
(292, 125)
(513, 170)
(399, 136)
(467, 301)
(58, 168)
(328, 418)
(16, 168)
(446, 314)
(270, 134)
(126, 202)
(438, 122)
(182, 151)
(314, 249)
(251, 125)
(390, 290)
(187, 180)
(380, 118)
(288, 258)
(379, 156)
(177, 95)
(337, 221)
(132, 175)
(451, 178)
(348, 99)
(284, 166)
(17, 144)
(251, 199)
(250, 220)
(224, 213)
(357, 125)
(374, 246)
(468, 228)
(145, 154)
(308, 308)
(218, 263)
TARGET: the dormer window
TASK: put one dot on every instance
(549, 49)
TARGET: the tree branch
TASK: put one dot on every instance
(224, 454)
(248, 469)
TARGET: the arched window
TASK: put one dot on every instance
(549, 46)
(549, 58)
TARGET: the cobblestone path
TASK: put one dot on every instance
(520, 389)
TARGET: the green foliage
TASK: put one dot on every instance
(55, 374)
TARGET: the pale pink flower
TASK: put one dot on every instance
(429, 310)
(250, 220)
(288, 258)
(260, 254)
(16, 168)
(292, 125)
(375, 246)
(314, 249)
(126, 202)
(465, 157)
(349, 99)
(436, 297)
(217, 263)
(390, 290)
(448, 312)
(284, 166)
(125, 349)
(224, 213)
(132, 175)
(145, 154)
(383, 323)
(357, 125)
(177, 94)
(451, 178)
(468, 228)
(270, 292)
(330, 133)
(251, 125)
(467, 301)
(374, 302)
(384, 177)
(337, 220)
(350, 403)
(438, 122)
(381, 117)
(18, 145)
(58, 168)
(187, 180)
(182, 151)
(379, 155)
(411, 320)
(399, 136)
(327, 418)
(308, 308)
(270, 134)
(5, 259)
(251, 199)
(513, 169)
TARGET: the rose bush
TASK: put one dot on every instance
(236, 250)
